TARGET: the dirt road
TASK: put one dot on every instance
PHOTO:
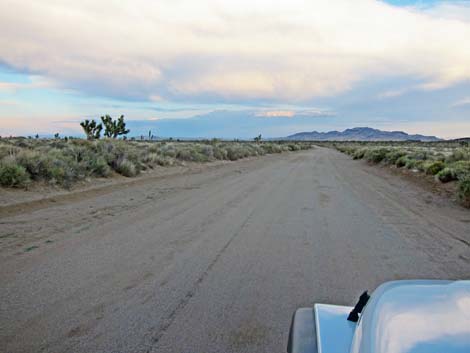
(217, 261)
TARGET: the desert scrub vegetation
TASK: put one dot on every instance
(12, 174)
(464, 191)
(447, 161)
(65, 161)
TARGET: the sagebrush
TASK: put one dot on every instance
(65, 161)
(446, 161)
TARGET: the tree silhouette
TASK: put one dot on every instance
(114, 128)
(91, 129)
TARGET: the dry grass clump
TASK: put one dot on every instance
(65, 161)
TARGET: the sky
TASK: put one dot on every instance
(235, 69)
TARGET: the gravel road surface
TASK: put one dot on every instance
(217, 261)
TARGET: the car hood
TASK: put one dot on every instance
(415, 317)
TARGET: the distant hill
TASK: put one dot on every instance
(462, 139)
(360, 134)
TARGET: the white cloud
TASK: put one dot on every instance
(393, 93)
(455, 10)
(445, 319)
(462, 102)
(290, 113)
(276, 114)
(284, 50)
(36, 82)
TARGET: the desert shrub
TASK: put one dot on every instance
(359, 153)
(257, 150)
(294, 147)
(45, 167)
(434, 167)
(154, 159)
(219, 153)
(261, 150)
(421, 165)
(153, 148)
(446, 175)
(30, 160)
(346, 149)
(208, 151)
(184, 155)
(8, 150)
(164, 162)
(234, 153)
(401, 162)
(64, 161)
(117, 152)
(56, 168)
(461, 168)
(420, 155)
(376, 155)
(460, 154)
(464, 191)
(271, 148)
(284, 148)
(168, 150)
(21, 142)
(199, 157)
(393, 156)
(411, 163)
(126, 168)
(58, 175)
(447, 161)
(99, 167)
(13, 174)
(191, 154)
(440, 157)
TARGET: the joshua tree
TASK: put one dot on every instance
(258, 138)
(109, 125)
(91, 129)
(114, 128)
(121, 127)
(56, 135)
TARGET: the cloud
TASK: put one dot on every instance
(276, 114)
(314, 113)
(455, 10)
(36, 82)
(393, 93)
(461, 102)
(248, 50)
(444, 319)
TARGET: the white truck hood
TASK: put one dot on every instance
(334, 332)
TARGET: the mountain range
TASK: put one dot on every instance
(360, 134)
